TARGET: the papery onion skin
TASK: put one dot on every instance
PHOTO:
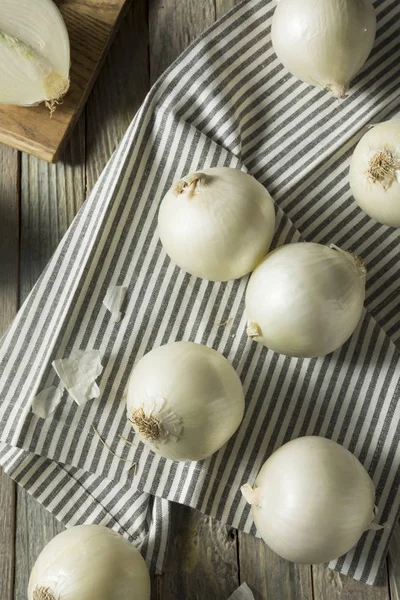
(324, 42)
(89, 562)
(377, 190)
(312, 500)
(305, 299)
(218, 228)
(200, 388)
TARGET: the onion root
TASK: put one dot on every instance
(42, 593)
(56, 87)
(148, 425)
(382, 168)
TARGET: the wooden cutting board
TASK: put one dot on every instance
(91, 25)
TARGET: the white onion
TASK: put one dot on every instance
(89, 562)
(375, 173)
(305, 299)
(312, 500)
(217, 224)
(324, 42)
(184, 400)
(35, 53)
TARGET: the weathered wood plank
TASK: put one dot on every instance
(329, 585)
(9, 249)
(394, 565)
(173, 26)
(269, 576)
(111, 107)
(50, 196)
(222, 6)
(9, 234)
(202, 558)
(35, 527)
(7, 532)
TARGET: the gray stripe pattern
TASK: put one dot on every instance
(226, 101)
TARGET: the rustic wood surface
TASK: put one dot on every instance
(394, 566)
(91, 25)
(9, 245)
(37, 203)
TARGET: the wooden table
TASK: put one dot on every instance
(38, 201)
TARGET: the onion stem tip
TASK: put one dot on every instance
(253, 330)
(251, 495)
(191, 185)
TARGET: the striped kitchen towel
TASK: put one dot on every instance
(226, 101)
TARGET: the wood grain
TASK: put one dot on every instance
(9, 245)
(9, 234)
(35, 528)
(222, 6)
(394, 565)
(173, 26)
(111, 108)
(7, 532)
(50, 197)
(202, 558)
(91, 25)
(269, 576)
(329, 585)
